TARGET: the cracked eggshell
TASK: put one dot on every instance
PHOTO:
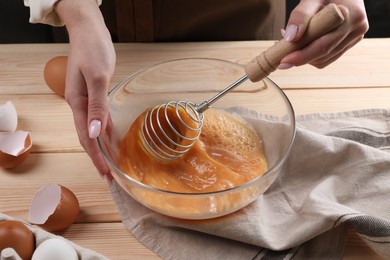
(14, 148)
(15, 235)
(54, 208)
(9, 254)
(55, 248)
(8, 117)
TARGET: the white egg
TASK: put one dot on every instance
(55, 248)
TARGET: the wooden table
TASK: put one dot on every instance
(360, 79)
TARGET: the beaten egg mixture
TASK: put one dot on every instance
(228, 153)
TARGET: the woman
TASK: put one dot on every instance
(92, 55)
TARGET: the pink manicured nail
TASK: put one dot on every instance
(285, 66)
(282, 32)
(94, 128)
(290, 33)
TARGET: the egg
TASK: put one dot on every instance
(54, 208)
(15, 235)
(14, 148)
(54, 74)
(55, 248)
(15, 145)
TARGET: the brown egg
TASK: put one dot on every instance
(14, 234)
(54, 74)
(54, 208)
(14, 148)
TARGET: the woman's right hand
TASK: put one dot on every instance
(91, 64)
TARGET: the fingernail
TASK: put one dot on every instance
(282, 32)
(94, 128)
(285, 66)
(290, 33)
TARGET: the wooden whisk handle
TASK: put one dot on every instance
(321, 23)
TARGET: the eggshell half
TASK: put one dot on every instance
(9, 254)
(55, 248)
(14, 148)
(8, 117)
(54, 74)
(14, 234)
(54, 208)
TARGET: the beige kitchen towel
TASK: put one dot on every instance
(41, 235)
(337, 177)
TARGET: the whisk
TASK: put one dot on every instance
(170, 130)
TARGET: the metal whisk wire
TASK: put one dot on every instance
(154, 134)
(155, 137)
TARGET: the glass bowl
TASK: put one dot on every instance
(262, 104)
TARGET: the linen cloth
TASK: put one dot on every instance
(337, 177)
(42, 235)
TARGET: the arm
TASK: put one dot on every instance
(91, 64)
(42, 11)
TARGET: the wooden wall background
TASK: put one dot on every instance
(15, 28)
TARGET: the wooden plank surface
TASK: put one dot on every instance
(50, 121)
(21, 68)
(76, 172)
(346, 85)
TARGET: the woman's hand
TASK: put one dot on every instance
(328, 48)
(91, 64)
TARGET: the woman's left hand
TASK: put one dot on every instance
(329, 47)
